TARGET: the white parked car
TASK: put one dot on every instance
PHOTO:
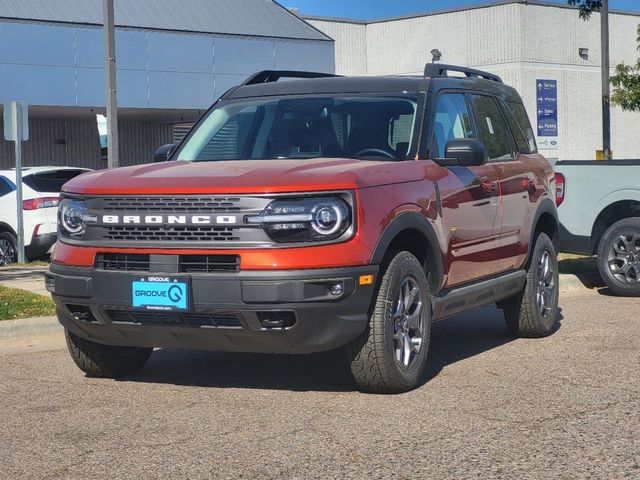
(40, 192)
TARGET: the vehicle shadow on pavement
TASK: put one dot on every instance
(453, 340)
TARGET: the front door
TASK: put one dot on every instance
(470, 199)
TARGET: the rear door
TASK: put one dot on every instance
(470, 202)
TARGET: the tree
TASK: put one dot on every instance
(626, 85)
(587, 7)
(626, 81)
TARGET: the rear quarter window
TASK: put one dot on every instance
(524, 133)
(51, 181)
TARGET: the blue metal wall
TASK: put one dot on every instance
(58, 65)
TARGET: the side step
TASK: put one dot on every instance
(460, 299)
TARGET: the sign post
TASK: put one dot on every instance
(16, 129)
(547, 114)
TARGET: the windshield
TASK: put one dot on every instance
(373, 127)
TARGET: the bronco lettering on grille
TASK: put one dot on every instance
(170, 219)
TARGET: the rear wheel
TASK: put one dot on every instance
(391, 355)
(619, 257)
(106, 361)
(8, 250)
(534, 311)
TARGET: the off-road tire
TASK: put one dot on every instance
(628, 227)
(105, 361)
(522, 312)
(372, 356)
(12, 243)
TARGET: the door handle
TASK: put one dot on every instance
(482, 204)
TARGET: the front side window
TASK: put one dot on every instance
(452, 121)
(493, 128)
(374, 128)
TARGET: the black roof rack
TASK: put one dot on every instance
(268, 76)
(439, 70)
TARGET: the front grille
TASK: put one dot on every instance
(171, 204)
(166, 233)
(131, 262)
(198, 320)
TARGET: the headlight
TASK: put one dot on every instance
(305, 220)
(72, 218)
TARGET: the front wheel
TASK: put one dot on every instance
(105, 361)
(619, 257)
(391, 355)
(533, 312)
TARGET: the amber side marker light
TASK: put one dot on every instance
(365, 280)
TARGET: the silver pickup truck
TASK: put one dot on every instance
(599, 209)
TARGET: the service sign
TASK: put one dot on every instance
(547, 113)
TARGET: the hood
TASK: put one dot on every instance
(246, 176)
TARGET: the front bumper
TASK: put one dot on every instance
(233, 312)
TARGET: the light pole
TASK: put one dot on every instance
(110, 83)
(606, 90)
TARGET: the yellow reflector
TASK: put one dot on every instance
(365, 280)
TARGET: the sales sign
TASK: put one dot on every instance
(547, 107)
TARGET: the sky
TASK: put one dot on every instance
(372, 9)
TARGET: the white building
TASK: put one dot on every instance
(174, 58)
(522, 41)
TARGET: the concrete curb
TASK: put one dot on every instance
(569, 285)
(29, 327)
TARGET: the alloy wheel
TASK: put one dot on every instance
(7, 252)
(546, 286)
(408, 322)
(624, 258)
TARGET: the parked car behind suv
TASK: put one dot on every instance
(599, 207)
(41, 189)
(303, 216)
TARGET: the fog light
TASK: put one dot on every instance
(336, 289)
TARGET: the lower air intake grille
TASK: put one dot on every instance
(212, 320)
(131, 262)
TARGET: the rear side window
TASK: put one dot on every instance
(522, 119)
(493, 128)
(6, 186)
(50, 181)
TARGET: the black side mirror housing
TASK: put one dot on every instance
(467, 152)
(164, 152)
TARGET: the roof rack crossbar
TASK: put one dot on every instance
(268, 76)
(439, 70)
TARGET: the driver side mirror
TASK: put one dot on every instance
(164, 152)
(467, 152)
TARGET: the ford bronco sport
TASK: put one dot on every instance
(302, 216)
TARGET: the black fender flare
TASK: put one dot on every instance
(546, 206)
(413, 221)
(5, 227)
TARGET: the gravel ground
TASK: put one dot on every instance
(562, 407)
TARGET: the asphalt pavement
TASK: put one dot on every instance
(491, 407)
